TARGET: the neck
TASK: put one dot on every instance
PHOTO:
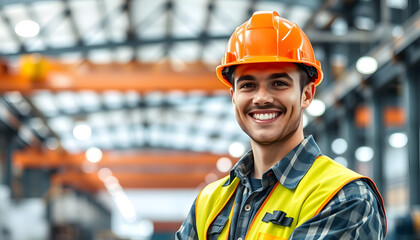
(267, 155)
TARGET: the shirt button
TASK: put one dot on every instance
(247, 208)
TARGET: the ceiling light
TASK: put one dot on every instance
(25, 133)
(364, 154)
(68, 102)
(398, 140)
(82, 132)
(112, 183)
(104, 173)
(236, 149)
(93, 155)
(341, 161)
(210, 177)
(38, 125)
(145, 228)
(124, 205)
(90, 101)
(364, 23)
(18, 101)
(397, 31)
(113, 99)
(14, 97)
(178, 65)
(323, 18)
(366, 65)
(339, 146)
(339, 27)
(317, 108)
(224, 164)
(27, 28)
(46, 103)
(52, 143)
(397, 4)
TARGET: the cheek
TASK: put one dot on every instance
(236, 105)
(238, 102)
(292, 99)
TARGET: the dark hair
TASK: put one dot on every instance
(228, 74)
(307, 74)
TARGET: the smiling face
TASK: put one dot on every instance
(268, 101)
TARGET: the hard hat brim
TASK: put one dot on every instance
(266, 59)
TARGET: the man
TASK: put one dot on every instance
(284, 188)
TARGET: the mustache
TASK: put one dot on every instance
(265, 107)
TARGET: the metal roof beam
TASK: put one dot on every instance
(11, 2)
(169, 8)
(314, 4)
(11, 31)
(68, 13)
(131, 30)
(310, 23)
(204, 33)
(315, 37)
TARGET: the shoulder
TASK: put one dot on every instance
(358, 196)
(324, 164)
(354, 212)
(357, 189)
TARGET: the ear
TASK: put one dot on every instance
(308, 94)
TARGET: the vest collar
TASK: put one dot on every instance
(289, 171)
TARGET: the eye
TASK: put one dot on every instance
(247, 85)
(280, 83)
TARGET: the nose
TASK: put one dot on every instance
(262, 97)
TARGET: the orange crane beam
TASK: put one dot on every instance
(138, 77)
(143, 82)
(32, 158)
(146, 169)
(91, 181)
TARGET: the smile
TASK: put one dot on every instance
(265, 116)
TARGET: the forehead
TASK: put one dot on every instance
(262, 68)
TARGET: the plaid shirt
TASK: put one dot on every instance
(355, 212)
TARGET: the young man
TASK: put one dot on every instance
(283, 188)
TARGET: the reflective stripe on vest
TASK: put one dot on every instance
(322, 181)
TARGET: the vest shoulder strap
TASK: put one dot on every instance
(210, 202)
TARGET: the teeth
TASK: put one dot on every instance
(265, 116)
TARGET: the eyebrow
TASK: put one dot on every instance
(280, 75)
(272, 76)
(245, 78)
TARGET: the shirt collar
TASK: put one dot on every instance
(288, 171)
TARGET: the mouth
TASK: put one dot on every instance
(266, 116)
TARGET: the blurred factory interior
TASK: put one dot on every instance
(112, 118)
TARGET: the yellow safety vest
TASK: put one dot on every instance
(322, 181)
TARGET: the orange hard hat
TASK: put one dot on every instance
(267, 37)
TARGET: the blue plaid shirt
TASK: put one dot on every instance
(355, 212)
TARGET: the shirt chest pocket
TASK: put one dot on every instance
(216, 227)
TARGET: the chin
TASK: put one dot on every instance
(265, 140)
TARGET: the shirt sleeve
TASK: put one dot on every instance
(188, 229)
(353, 213)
